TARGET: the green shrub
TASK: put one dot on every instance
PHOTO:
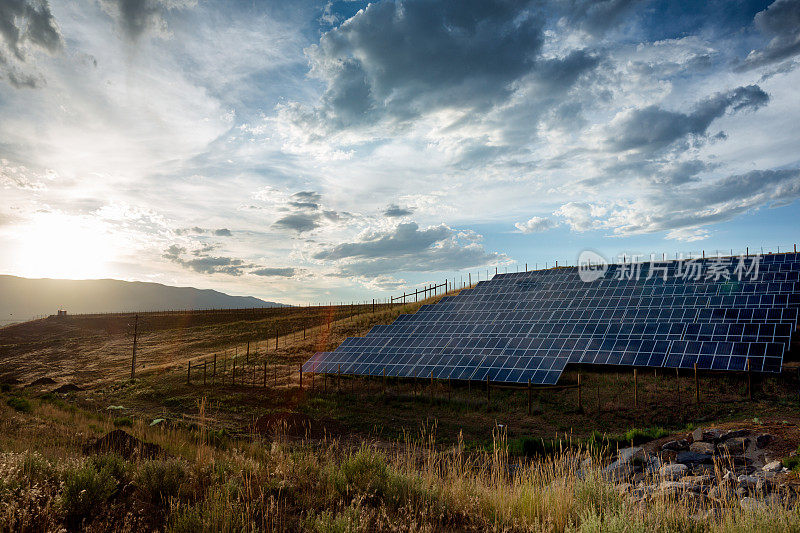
(112, 464)
(20, 404)
(85, 491)
(161, 480)
(123, 421)
(792, 463)
(37, 469)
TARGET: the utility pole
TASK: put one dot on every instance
(135, 338)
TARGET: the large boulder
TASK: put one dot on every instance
(125, 445)
(703, 447)
(673, 471)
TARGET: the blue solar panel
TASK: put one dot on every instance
(530, 325)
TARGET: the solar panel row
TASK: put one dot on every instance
(530, 325)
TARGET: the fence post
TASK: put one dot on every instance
(214, 373)
(696, 385)
(384, 381)
(276, 336)
(135, 339)
(488, 391)
(189, 373)
(529, 396)
(204, 372)
(749, 381)
(635, 389)
(301, 377)
(247, 355)
(580, 394)
(234, 371)
(265, 374)
(431, 386)
(339, 378)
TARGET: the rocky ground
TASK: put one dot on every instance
(711, 468)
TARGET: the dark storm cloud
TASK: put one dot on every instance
(780, 22)
(223, 232)
(275, 272)
(137, 17)
(23, 21)
(653, 128)
(399, 60)
(395, 211)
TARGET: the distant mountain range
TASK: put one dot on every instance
(22, 298)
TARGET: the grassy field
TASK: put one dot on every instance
(347, 454)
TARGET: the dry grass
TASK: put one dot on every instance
(254, 485)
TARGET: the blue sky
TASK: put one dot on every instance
(303, 151)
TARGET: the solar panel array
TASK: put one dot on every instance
(530, 325)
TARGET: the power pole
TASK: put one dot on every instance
(135, 338)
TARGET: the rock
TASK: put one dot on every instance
(652, 466)
(764, 440)
(42, 381)
(698, 482)
(125, 445)
(626, 454)
(694, 458)
(676, 445)
(774, 466)
(623, 487)
(764, 486)
(668, 489)
(673, 471)
(730, 478)
(747, 481)
(721, 493)
(735, 445)
(752, 504)
(702, 447)
(734, 434)
(706, 435)
(67, 388)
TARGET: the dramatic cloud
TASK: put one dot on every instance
(398, 61)
(406, 248)
(598, 16)
(653, 128)
(535, 225)
(205, 264)
(223, 232)
(25, 24)
(307, 212)
(781, 23)
(136, 17)
(23, 21)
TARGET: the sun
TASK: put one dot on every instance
(55, 245)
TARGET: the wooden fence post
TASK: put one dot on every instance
(234, 371)
(529, 396)
(431, 386)
(580, 395)
(276, 337)
(214, 373)
(384, 380)
(204, 372)
(301, 377)
(696, 385)
(247, 355)
(635, 390)
(189, 373)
